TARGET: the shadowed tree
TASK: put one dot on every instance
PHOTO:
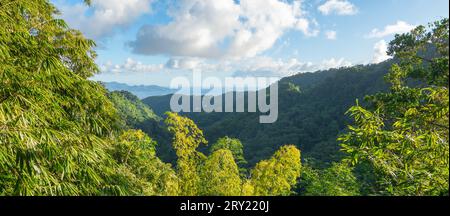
(337, 180)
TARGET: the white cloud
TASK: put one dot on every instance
(103, 17)
(258, 66)
(331, 35)
(130, 66)
(196, 29)
(340, 7)
(333, 63)
(266, 66)
(380, 52)
(305, 26)
(398, 28)
(184, 63)
(265, 22)
(222, 28)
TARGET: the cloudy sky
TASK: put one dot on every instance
(153, 41)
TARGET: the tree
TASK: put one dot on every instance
(54, 123)
(135, 151)
(337, 180)
(220, 175)
(61, 135)
(404, 132)
(186, 138)
(247, 188)
(236, 148)
(277, 175)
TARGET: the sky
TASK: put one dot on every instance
(150, 42)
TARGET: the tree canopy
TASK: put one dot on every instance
(63, 134)
(404, 132)
(53, 120)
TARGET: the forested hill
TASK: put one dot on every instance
(63, 134)
(312, 110)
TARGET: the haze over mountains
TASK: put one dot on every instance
(141, 91)
(144, 91)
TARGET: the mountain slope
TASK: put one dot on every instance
(131, 109)
(312, 110)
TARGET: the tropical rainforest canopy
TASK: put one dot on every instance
(63, 134)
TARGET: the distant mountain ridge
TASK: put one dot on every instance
(141, 91)
(145, 91)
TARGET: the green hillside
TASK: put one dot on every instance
(379, 129)
(312, 110)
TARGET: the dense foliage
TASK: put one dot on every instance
(336, 180)
(398, 143)
(62, 134)
(312, 110)
(131, 109)
(53, 121)
(140, 171)
(404, 132)
(236, 148)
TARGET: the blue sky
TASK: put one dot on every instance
(152, 41)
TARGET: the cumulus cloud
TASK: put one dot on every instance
(380, 52)
(331, 35)
(196, 29)
(103, 17)
(309, 28)
(339, 7)
(398, 28)
(264, 22)
(222, 28)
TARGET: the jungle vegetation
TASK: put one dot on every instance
(63, 134)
